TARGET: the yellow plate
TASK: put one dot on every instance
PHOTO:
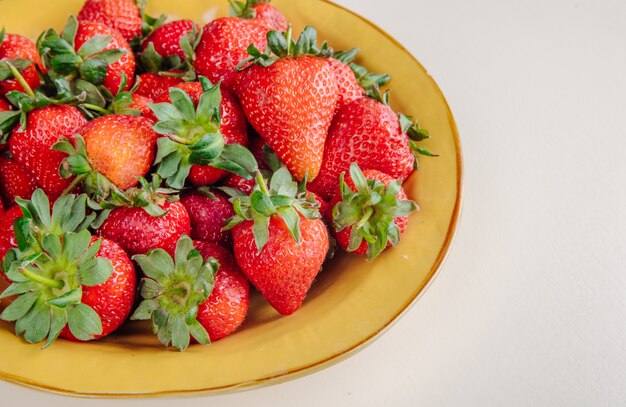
(351, 302)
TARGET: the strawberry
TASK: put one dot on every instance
(194, 136)
(68, 283)
(369, 133)
(15, 181)
(208, 213)
(90, 51)
(7, 236)
(30, 146)
(279, 241)
(22, 54)
(369, 212)
(140, 104)
(138, 231)
(153, 85)
(4, 106)
(261, 12)
(290, 99)
(239, 183)
(226, 308)
(223, 45)
(171, 47)
(122, 15)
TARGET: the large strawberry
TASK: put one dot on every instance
(367, 132)
(31, 146)
(261, 12)
(279, 241)
(193, 137)
(20, 52)
(68, 283)
(223, 45)
(369, 212)
(122, 15)
(208, 213)
(90, 52)
(289, 98)
(15, 180)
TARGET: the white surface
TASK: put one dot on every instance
(530, 307)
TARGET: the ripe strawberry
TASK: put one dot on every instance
(30, 146)
(227, 306)
(171, 47)
(22, 53)
(141, 103)
(122, 15)
(166, 39)
(206, 137)
(261, 12)
(7, 236)
(239, 183)
(369, 133)
(223, 45)
(208, 213)
(291, 102)
(4, 106)
(279, 241)
(15, 181)
(369, 212)
(138, 232)
(69, 283)
(153, 85)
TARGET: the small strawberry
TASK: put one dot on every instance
(239, 183)
(223, 45)
(279, 241)
(15, 180)
(227, 306)
(208, 213)
(194, 136)
(68, 283)
(369, 212)
(370, 134)
(153, 85)
(290, 99)
(22, 54)
(30, 146)
(122, 15)
(261, 12)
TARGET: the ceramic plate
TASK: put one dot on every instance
(351, 302)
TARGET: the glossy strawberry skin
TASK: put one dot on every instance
(114, 299)
(121, 15)
(227, 306)
(284, 271)
(291, 105)
(343, 236)
(208, 216)
(31, 147)
(153, 86)
(233, 127)
(17, 46)
(120, 147)
(166, 38)
(7, 237)
(347, 84)
(368, 133)
(270, 17)
(126, 63)
(15, 180)
(141, 103)
(138, 232)
(244, 185)
(223, 45)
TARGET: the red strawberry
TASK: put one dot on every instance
(4, 106)
(291, 102)
(223, 45)
(122, 15)
(141, 103)
(208, 216)
(153, 85)
(15, 181)
(261, 12)
(79, 287)
(138, 232)
(166, 38)
(369, 212)
(226, 308)
(16, 46)
(279, 244)
(7, 237)
(236, 182)
(30, 147)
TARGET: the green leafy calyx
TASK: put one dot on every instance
(365, 79)
(244, 9)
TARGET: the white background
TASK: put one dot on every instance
(530, 307)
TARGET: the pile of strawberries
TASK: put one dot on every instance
(183, 163)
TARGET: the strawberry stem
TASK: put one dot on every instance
(73, 184)
(48, 282)
(368, 214)
(95, 108)
(261, 182)
(289, 35)
(18, 76)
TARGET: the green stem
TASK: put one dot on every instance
(368, 214)
(48, 282)
(96, 108)
(179, 140)
(73, 184)
(18, 76)
(289, 36)
(261, 182)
